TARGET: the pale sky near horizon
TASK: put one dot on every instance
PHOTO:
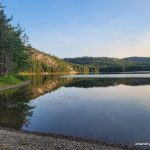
(73, 28)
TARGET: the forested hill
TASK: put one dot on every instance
(106, 64)
(92, 60)
(41, 62)
(106, 60)
(138, 59)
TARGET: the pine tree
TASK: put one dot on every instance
(13, 46)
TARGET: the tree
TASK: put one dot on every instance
(13, 46)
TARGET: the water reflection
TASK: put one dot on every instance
(81, 106)
(106, 82)
(14, 108)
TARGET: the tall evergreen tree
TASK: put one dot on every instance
(13, 46)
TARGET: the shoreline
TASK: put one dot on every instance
(74, 73)
(11, 139)
(11, 86)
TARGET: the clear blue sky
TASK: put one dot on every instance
(71, 28)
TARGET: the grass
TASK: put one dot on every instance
(11, 79)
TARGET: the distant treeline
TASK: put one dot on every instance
(105, 64)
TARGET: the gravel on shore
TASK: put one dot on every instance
(17, 140)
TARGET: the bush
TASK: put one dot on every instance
(11, 79)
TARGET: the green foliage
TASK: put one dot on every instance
(13, 46)
(144, 60)
(105, 64)
(11, 79)
(46, 63)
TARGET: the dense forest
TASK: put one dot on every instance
(47, 63)
(105, 64)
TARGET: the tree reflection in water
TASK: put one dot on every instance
(106, 82)
(15, 107)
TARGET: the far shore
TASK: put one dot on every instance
(11, 139)
(70, 73)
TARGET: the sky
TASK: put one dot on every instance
(75, 28)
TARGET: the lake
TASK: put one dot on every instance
(108, 107)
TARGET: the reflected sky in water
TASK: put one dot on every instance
(110, 109)
(110, 75)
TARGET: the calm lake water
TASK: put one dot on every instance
(112, 108)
